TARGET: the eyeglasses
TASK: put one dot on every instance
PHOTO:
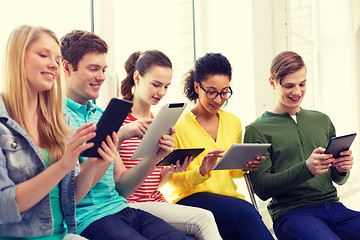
(213, 94)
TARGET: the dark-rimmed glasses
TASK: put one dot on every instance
(213, 94)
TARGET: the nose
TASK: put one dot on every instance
(296, 90)
(217, 99)
(162, 91)
(100, 75)
(53, 64)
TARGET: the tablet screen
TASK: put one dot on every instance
(163, 121)
(111, 120)
(180, 154)
(340, 144)
(239, 154)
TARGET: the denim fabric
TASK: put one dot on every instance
(131, 224)
(325, 221)
(20, 160)
(235, 218)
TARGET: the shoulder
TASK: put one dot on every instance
(264, 119)
(185, 118)
(313, 114)
(229, 118)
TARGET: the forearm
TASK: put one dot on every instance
(164, 178)
(267, 184)
(30, 192)
(187, 179)
(132, 178)
(88, 177)
(339, 178)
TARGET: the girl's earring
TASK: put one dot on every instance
(133, 90)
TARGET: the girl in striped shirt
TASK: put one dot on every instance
(148, 78)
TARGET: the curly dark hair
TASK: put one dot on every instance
(77, 43)
(208, 65)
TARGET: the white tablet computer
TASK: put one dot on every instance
(164, 120)
(239, 154)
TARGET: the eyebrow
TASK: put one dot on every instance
(96, 65)
(293, 83)
(214, 88)
(156, 81)
(47, 50)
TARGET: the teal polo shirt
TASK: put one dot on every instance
(102, 200)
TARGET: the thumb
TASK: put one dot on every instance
(319, 150)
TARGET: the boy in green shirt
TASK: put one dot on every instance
(296, 174)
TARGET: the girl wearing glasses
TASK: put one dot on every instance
(207, 125)
(148, 77)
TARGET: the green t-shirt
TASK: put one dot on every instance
(283, 175)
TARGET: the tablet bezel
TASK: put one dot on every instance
(163, 121)
(239, 154)
(339, 144)
(180, 154)
(110, 121)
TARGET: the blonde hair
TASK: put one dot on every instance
(53, 131)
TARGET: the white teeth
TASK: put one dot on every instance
(49, 75)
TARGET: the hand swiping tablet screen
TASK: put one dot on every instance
(180, 154)
(340, 144)
(111, 120)
(239, 154)
(164, 120)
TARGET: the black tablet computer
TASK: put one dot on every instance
(339, 144)
(111, 120)
(180, 154)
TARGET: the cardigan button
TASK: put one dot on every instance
(14, 145)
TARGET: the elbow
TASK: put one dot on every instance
(261, 194)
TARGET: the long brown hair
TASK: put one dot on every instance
(53, 131)
(143, 63)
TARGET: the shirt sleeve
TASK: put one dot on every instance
(267, 184)
(9, 212)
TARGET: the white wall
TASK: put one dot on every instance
(226, 27)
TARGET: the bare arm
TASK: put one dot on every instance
(94, 168)
(30, 192)
(132, 178)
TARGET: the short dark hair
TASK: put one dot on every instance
(285, 63)
(209, 65)
(77, 43)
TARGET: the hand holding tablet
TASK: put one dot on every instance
(239, 154)
(111, 120)
(180, 154)
(340, 144)
(164, 120)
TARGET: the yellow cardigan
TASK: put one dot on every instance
(190, 134)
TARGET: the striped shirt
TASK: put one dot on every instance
(148, 190)
(102, 200)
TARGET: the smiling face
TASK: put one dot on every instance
(218, 83)
(152, 87)
(290, 92)
(42, 59)
(84, 84)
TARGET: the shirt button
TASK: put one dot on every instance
(14, 145)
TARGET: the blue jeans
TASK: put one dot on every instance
(131, 224)
(328, 221)
(235, 218)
